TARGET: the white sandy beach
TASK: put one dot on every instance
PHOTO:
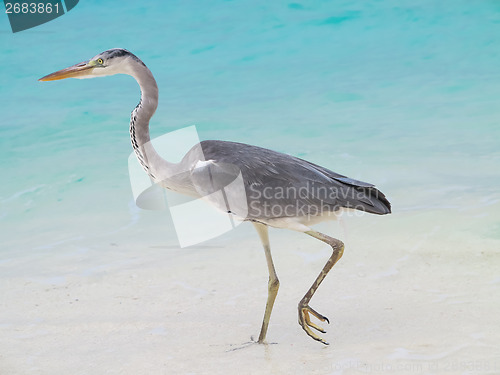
(401, 301)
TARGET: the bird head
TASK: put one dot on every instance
(113, 61)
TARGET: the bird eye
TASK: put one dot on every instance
(100, 61)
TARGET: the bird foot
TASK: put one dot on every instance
(305, 322)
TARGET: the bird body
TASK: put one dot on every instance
(283, 190)
(276, 189)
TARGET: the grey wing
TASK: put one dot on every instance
(280, 185)
(359, 195)
(222, 185)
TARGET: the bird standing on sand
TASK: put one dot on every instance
(281, 191)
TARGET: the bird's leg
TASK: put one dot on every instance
(273, 284)
(304, 309)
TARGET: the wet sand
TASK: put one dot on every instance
(415, 293)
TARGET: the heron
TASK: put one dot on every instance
(265, 173)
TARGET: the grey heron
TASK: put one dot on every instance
(272, 180)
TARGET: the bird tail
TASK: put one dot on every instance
(377, 203)
(357, 194)
(368, 199)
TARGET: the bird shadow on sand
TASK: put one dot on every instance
(251, 343)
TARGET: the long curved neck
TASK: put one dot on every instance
(151, 161)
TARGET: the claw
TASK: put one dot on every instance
(305, 322)
(318, 315)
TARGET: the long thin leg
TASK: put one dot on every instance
(273, 284)
(304, 309)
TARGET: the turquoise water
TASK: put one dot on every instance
(401, 94)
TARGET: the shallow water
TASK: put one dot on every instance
(404, 96)
(401, 96)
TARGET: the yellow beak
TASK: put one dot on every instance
(75, 71)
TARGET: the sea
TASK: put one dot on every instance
(401, 94)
